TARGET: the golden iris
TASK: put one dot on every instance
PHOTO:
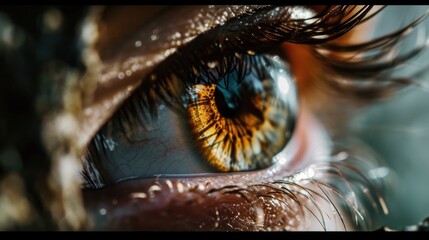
(241, 123)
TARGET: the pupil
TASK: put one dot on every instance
(226, 102)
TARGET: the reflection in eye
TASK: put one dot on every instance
(232, 109)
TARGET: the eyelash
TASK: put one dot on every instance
(145, 99)
(263, 35)
(260, 38)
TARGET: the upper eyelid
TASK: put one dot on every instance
(293, 35)
(97, 109)
(154, 42)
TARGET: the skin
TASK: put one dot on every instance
(188, 203)
(130, 212)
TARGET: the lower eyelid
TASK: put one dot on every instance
(167, 193)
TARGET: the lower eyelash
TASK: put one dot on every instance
(325, 192)
(285, 204)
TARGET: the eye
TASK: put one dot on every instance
(238, 115)
(216, 126)
(227, 112)
(247, 117)
(244, 119)
(139, 118)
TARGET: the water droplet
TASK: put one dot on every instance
(152, 189)
(121, 75)
(141, 195)
(201, 187)
(302, 13)
(135, 67)
(180, 187)
(153, 37)
(251, 52)
(138, 44)
(128, 73)
(212, 64)
(168, 182)
(149, 63)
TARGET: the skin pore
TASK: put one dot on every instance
(315, 185)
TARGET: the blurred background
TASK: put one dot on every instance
(398, 129)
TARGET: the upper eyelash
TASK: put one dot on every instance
(264, 32)
(330, 24)
(355, 70)
(224, 43)
(350, 181)
(333, 164)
